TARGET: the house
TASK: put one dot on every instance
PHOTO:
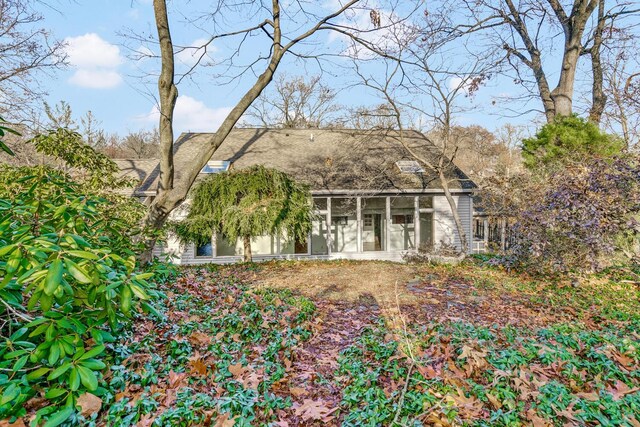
(372, 199)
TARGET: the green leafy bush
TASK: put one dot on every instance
(566, 139)
(68, 281)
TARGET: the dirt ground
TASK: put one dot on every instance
(419, 292)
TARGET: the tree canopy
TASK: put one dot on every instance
(247, 203)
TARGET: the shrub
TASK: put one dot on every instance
(578, 218)
(566, 139)
(68, 282)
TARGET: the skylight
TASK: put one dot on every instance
(215, 166)
(409, 166)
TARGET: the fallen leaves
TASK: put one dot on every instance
(313, 410)
(89, 404)
(199, 339)
(17, 423)
(619, 390)
(468, 407)
(455, 362)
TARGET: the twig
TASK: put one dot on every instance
(15, 312)
(404, 391)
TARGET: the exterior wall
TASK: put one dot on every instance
(445, 227)
(399, 235)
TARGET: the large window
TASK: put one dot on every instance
(205, 250)
(344, 225)
(402, 232)
(426, 230)
(395, 229)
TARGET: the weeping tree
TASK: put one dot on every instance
(246, 204)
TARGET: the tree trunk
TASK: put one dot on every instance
(598, 96)
(171, 196)
(462, 234)
(573, 26)
(173, 188)
(168, 93)
(248, 256)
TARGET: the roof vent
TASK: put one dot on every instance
(311, 138)
(409, 166)
(215, 166)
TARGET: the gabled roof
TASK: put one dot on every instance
(326, 159)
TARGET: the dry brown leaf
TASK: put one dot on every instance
(225, 420)
(592, 397)
(146, 420)
(537, 421)
(297, 391)
(313, 410)
(237, 369)
(176, 379)
(427, 371)
(620, 390)
(468, 407)
(569, 415)
(199, 339)
(197, 365)
(89, 404)
(494, 401)
(623, 359)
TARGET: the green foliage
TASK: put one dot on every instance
(568, 138)
(476, 376)
(221, 350)
(90, 166)
(68, 282)
(3, 131)
(247, 203)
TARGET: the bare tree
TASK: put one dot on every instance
(140, 144)
(295, 102)
(380, 116)
(421, 67)
(527, 33)
(621, 76)
(282, 38)
(59, 115)
(91, 131)
(26, 51)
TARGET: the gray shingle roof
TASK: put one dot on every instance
(326, 159)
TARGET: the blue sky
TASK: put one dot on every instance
(104, 79)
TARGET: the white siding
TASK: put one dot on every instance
(444, 225)
(443, 229)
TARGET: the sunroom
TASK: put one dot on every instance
(345, 227)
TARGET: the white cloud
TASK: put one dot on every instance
(91, 51)
(390, 31)
(95, 61)
(96, 79)
(191, 55)
(192, 115)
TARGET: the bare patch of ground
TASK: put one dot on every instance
(424, 293)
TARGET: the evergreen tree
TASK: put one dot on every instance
(566, 139)
(245, 204)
